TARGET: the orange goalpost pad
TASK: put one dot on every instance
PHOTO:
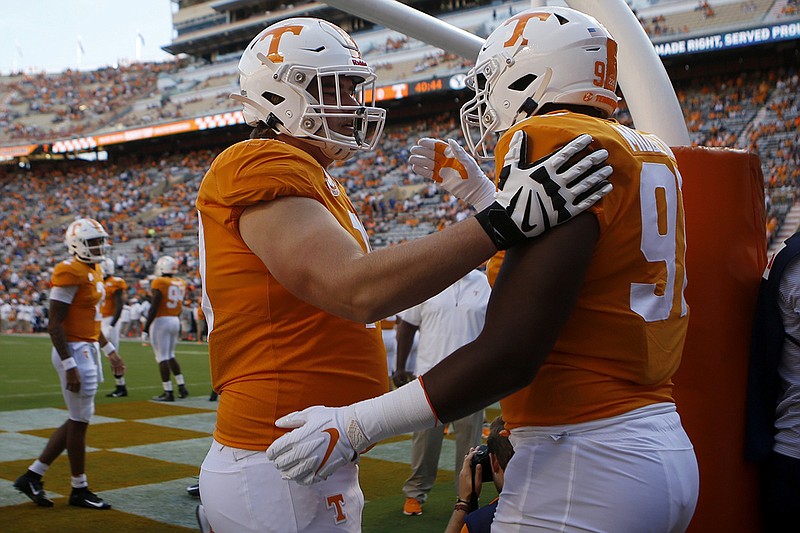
(723, 193)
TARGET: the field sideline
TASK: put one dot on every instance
(143, 454)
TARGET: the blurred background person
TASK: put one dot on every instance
(466, 518)
(163, 325)
(111, 312)
(445, 322)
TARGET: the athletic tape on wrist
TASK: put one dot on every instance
(401, 411)
(109, 348)
(68, 363)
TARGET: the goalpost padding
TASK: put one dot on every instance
(723, 193)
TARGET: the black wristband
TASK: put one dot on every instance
(499, 227)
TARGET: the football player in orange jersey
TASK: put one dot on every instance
(111, 310)
(164, 327)
(74, 328)
(291, 294)
(586, 324)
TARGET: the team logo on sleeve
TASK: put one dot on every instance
(332, 185)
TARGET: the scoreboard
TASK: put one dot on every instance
(396, 91)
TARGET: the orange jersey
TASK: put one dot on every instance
(112, 284)
(272, 353)
(624, 339)
(82, 323)
(172, 291)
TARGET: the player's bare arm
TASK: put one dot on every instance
(155, 302)
(55, 328)
(118, 303)
(517, 335)
(316, 259)
(117, 364)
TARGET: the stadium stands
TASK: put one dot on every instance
(147, 202)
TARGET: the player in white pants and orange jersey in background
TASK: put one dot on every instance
(163, 325)
(74, 328)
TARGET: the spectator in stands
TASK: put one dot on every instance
(286, 257)
(466, 518)
(74, 331)
(6, 325)
(594, 424)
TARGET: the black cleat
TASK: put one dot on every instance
(34, 489)
(182, 392)
(213, 397)
(119, 392)
(86, 498)
(194, 490)
(166, 396)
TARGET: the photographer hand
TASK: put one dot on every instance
(465, 479)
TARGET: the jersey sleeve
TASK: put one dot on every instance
(259, 171)
(65, 275)
(159, 285)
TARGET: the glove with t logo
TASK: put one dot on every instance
(532, 198)
(449, 165)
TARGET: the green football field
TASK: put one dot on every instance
(143, 454)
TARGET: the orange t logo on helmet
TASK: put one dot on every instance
(521, 20)
(276, 34)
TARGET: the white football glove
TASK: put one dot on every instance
(454, 170)
(532, 198)
(320, 444)
(327, 438)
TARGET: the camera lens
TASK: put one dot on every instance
(482, 457)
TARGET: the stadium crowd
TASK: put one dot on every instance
(147, 203)
(48, 106)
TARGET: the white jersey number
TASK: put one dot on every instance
(657, 180)
(174, 295)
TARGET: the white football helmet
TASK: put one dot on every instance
(539, 56)
(166, 265)
(108, 267)
(276, 72)
(87, 240)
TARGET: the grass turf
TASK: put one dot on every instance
(28, 381)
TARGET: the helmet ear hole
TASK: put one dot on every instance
(274, 99)
(523, 83)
